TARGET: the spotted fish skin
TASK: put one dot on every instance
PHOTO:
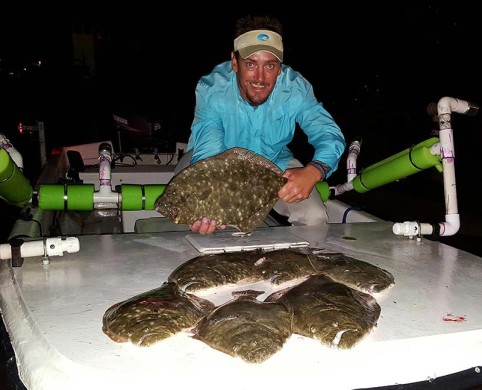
(154, 315)
(334, 314)
(207, 271)
(236, 188)
(276, 267)
(282, 265)
(246, 328)
(354, 273)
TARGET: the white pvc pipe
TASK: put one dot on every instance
(55, 246)
(445, 107)
(353, 153)
(106, 195)
(447, 155)
(105, 159)
(351, 167)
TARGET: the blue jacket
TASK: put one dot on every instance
(223, 119)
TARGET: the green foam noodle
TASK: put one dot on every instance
(398, 166)
(78, 197)
(324, 190)
(15, 189)
(140, 197)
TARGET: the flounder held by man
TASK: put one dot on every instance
(154, 315)
(236, 188)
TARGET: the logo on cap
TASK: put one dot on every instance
(263, 37)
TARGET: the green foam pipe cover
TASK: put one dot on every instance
(78, 197)
(324, 190)
(398, 166)
(140, 197)
(15, 189)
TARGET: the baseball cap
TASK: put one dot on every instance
(259, 40)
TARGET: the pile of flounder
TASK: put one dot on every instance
(332, 303)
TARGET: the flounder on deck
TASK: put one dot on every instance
(207, 271)
(283, 265)
(354, 273)
(330, 312)
(332, 303)
(154, 315)
(276, 267)
(237, 188)
(245, 327)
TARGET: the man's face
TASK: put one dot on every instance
(256, 76)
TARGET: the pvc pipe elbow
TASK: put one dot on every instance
(447, 105)
(450, 226)
(342, 188)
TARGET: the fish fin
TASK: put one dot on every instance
(253, 221)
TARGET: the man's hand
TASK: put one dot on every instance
(300, 184)
(205, 226)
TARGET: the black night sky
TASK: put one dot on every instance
(374, 65)
(375, 68)
(367, 63)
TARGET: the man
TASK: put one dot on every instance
(254, 102)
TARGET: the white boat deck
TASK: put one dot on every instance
(430, 323)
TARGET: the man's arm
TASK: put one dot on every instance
(322, 132)
(207, 133)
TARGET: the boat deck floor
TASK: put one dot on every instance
(430, 324)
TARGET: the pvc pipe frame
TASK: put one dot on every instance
(451, 225)
(444, 148)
